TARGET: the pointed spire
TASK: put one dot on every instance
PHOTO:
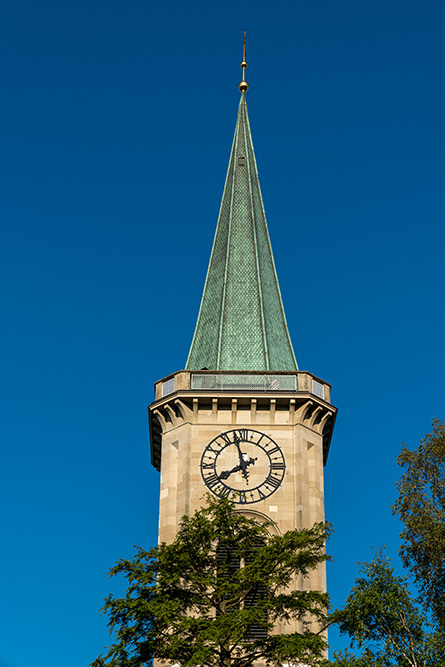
(241, 323)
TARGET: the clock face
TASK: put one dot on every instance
(244, 465)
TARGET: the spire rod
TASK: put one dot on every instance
(244, 86)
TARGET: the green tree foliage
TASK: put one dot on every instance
(421, 507)
(190, 602)
(347, 659)
(382, 619)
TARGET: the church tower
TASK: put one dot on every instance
(241, 420)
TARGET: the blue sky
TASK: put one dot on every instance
(117, 121)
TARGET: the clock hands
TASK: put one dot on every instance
(247, 462)
(244, 462)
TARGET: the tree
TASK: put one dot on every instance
(213, 596)
(381, 617)
(421, 507)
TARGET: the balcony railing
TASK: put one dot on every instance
(243, 382)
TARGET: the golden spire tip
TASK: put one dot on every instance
(244, 86)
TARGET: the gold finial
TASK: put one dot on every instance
(244, 86)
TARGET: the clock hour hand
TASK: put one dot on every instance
(225, 474)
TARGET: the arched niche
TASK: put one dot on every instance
(261, 518)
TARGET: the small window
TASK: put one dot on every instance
(168, 387)
(318, 388)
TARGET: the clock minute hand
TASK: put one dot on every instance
(240, 454)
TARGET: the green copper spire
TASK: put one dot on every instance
(241, 323)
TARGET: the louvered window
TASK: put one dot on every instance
(232, 564)
(252, 598)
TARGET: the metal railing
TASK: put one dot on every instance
(244, 382)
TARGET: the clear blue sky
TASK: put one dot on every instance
(116, 122)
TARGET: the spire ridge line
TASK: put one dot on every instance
(255, 243)
(229, 234)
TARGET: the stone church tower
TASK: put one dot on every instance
(241, 420)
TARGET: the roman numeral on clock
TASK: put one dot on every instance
(261, 494)
(214, 483)
(243, 434)
(212, 480)
(241, 496)
(273, 482)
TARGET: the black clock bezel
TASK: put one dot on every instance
(246, 496)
